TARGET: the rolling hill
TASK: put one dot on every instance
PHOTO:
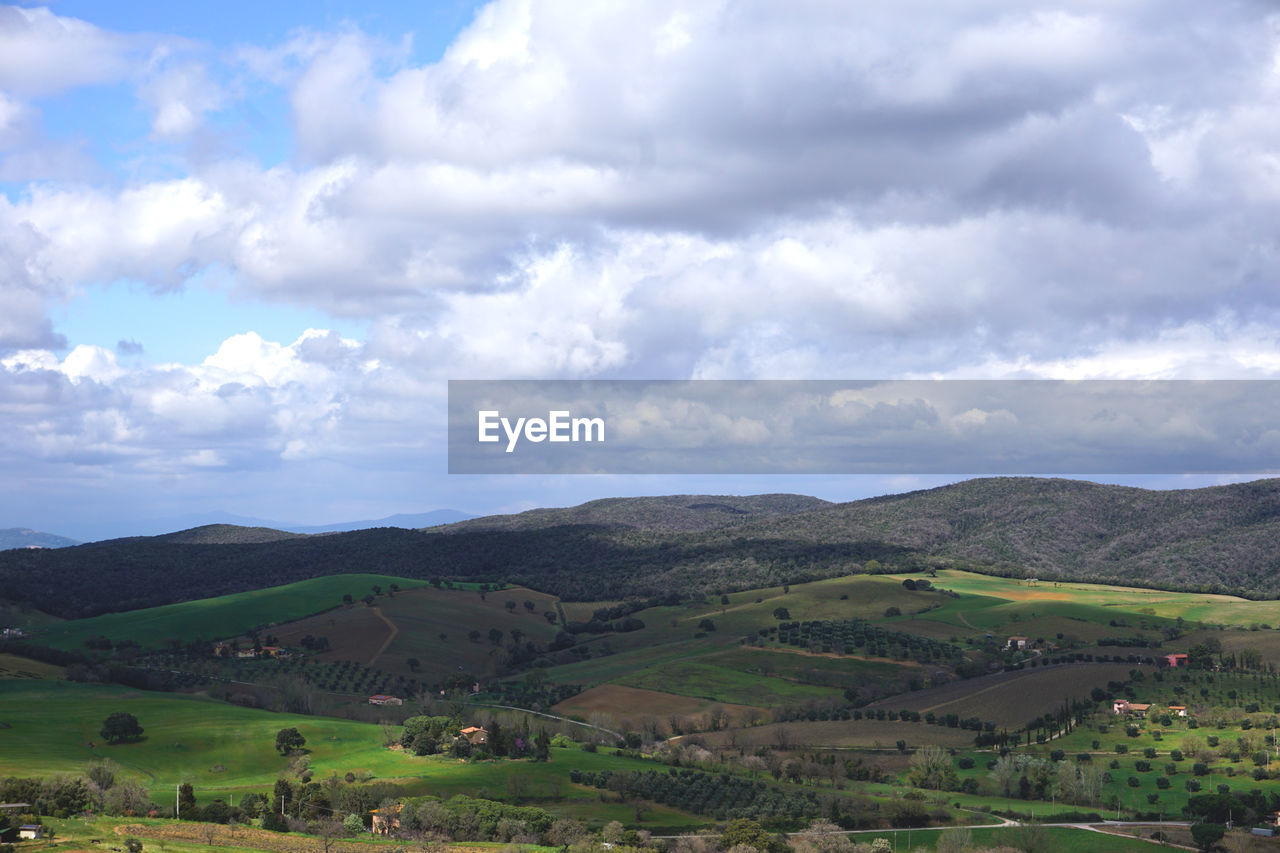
(1219, 539)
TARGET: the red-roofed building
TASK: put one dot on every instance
(476, 735)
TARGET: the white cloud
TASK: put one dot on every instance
(654, 189)
(42, 52)
(180, 93)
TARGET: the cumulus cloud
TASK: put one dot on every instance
(180, 93)
(250, 404)
(42, 52)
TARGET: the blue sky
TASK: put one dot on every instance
(243, 247)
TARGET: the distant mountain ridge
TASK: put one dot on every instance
(101, 532)
(1219, 539)
(25, 537)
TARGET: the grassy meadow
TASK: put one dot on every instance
(218, 618)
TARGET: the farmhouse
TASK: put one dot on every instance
(384, 699)
(386, 819)
(13, 633)
(31, 830)
(1017, 643)
(1178, 710)
(476, 735)
(1176, 660)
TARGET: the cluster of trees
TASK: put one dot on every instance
(721, 796)
(315, 644)
(97, 788)
(1218, 540)
(427, 735)
(1033, 778)
(850, 636)
(534, 692)
(470, 819)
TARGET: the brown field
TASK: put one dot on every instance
(840, 734)
(580, 611)
(430, 625)
(1011, 698)
(12, 666)
(355, 633)
(933, 629)
(628, 702)
(252, 838)
(1267, 643)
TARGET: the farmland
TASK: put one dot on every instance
(1010, 699)
(824, 692)
(217, 618)
(624, 703)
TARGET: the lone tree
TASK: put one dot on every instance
(1206, 835)
(287, 740)
(120, 727)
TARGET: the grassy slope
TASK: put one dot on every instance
(216, 618)
(1192, 607)
(187, 738)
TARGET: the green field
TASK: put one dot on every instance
(1059, 839)
(1192, 607)
(46, 728)
(721, 684)
(218, 618)
(49, 726)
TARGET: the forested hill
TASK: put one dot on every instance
(1221, 539)
(666, 514)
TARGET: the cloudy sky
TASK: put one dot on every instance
(244, 246)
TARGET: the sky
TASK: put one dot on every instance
(244, 247)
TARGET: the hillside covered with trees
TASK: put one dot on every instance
(1215, 539)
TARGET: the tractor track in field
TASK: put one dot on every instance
(394, 631)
